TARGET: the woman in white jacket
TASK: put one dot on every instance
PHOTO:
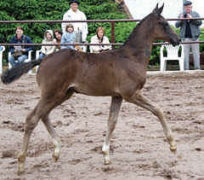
(48, 39)
(100, 38)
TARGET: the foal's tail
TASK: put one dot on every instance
(16, 72)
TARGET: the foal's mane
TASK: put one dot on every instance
(136, 28)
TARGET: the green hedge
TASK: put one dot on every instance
(202, 39)
(54, 10)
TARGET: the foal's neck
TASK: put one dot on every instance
(140, 42)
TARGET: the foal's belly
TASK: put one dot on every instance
(92, 90)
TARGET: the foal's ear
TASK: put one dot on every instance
(160, 9)
(157, 10)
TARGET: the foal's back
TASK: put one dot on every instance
(104, 74)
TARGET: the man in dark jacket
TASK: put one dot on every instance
(190, 31)
(19, 53)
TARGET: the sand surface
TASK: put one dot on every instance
(139, 150)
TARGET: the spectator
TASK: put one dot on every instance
(19, 53)
(48, 39)
(100, 38)
(190, 31)
(81, 29)
(58, 37)
(68, 37)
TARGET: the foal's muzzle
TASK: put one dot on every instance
(175, 41)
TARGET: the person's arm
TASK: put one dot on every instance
(28, 40)
(106, 41)
(53, 48)
(12, 49)
(179, 23)
(74, 39)
(196, 22)
(65, 17)
(84, 29)
(43, 50)
(95, 48)
(63, 41)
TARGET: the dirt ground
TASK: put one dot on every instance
(139, 150)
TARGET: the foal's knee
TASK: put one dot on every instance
(157, 111)
(29, 126)
(31, 122)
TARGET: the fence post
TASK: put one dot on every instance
(113, 33)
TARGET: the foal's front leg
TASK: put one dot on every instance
(113, 117)
(140, 100)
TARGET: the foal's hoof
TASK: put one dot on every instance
(20, 172)
(21, 169)
(55, 157)
(21, 164)
(173, 148)
(107, 162)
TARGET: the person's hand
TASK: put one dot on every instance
(189, 16)
(78, 48)
(105, 49)
(181, 16)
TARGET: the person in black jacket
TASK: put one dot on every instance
(190, 31)
(19, 53)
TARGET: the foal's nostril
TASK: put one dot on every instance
(178, 41)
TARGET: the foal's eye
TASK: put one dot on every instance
(164, 23)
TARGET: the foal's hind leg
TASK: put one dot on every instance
(113, 117)
(52, 131)
(140, 100)
(41, 111)
(31, 122)
(54, 136)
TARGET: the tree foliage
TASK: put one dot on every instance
(54, 10)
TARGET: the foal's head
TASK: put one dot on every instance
(160, 28)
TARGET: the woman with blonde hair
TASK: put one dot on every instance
(100, 38)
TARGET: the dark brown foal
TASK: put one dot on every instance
(120, 73)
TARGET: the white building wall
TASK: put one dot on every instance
(140, 8)
(198, 6)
